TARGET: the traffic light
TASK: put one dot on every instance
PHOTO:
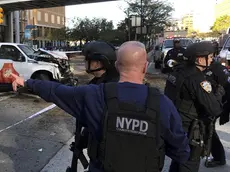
(1, 15)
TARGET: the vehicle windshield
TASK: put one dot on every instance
(227, 44)
(29, 51)
(183, 42)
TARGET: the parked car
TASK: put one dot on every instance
(168, 45)
(224, 56)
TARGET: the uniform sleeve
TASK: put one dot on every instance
(70, 99)
(176, 140)
(168, 56)
(221, 74)
(205, 98)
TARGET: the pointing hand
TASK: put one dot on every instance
(18, 81)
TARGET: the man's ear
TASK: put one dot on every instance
(116, 65)
(198, 60)
(145, 67)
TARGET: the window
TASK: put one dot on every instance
(58, 20)
(227, 44)
(183, 42)
(31, 14)
(63, 20)
(39, 16)
(52, 18)
(27, 14)
(46, 17)
(12, 53)
(27, 50)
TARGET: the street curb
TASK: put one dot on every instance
(62, 159)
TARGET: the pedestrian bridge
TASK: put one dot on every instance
(14, 5)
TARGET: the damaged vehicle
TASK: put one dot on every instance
(24, 61)
(63, 62)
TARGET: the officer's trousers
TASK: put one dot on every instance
(189, 166)
(217, 149)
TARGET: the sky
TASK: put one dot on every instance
(113, 10)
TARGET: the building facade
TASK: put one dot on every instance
(46, 20)
(222, 8)
(187, 21)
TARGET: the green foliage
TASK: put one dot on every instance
(156, 15)
(221, 24)
(58, 34)
(86, 29)
(154, 12)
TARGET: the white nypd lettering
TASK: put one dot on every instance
(132, 125)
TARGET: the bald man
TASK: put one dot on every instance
(131, 125)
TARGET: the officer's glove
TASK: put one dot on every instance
(224, 118)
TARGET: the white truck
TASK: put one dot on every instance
(28, 63)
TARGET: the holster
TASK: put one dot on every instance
(196, 139)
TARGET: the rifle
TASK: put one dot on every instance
(77, 149)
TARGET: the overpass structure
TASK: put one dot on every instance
(15, 5)
(11, 8)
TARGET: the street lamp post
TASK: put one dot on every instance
(141, 20)
(136, 22)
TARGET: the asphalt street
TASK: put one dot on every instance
(29, 137)
(27, 144)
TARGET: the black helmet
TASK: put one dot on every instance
(176, 41)
(100, 51)
(199, 49)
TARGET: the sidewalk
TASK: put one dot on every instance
(62, 159)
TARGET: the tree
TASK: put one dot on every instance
(221, 24)
(60, 34)
(156, 14)
(90, 29)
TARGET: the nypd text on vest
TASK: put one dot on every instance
(131, 125)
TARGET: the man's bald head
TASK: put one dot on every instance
(131, 56)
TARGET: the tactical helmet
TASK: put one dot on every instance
(100, 51)
(176, 41)
(199, 49)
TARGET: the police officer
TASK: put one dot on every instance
(131, 125)
(176, 51)
(100, 57)
(192, 94)
(218, 75)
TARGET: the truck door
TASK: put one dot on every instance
(11, 52)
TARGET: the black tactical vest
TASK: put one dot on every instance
(131, 135)
(184, 104)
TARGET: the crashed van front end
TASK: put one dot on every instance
(61, 59)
